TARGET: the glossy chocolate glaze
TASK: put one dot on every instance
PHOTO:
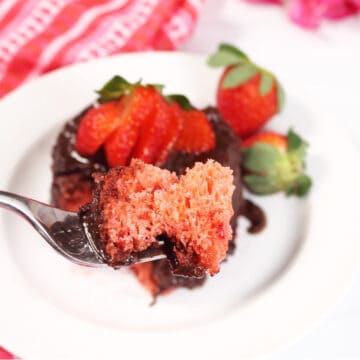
(255, 215)
(165, 279)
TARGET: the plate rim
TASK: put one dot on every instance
(248, 310)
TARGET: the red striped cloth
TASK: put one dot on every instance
(37, 36)
(5, 354)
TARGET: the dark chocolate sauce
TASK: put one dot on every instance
(255, 215)
(189, 269)
(165, 279)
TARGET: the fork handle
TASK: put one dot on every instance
(26, 208)
(10, 201)
(17, 204)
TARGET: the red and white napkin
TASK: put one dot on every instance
(5, 354)
(37, 36)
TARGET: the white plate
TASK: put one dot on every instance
(277, 284)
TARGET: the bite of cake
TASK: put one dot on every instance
(134, 206)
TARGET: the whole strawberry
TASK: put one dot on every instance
(247, 95)
(274, 162)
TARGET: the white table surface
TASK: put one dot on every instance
(263, 31)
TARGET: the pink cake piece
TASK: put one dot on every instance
(139, 203)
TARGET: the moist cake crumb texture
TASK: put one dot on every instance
(137, 204)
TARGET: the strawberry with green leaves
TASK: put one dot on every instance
(116, 121)
(138, 121)
(274, 162)
(247, 95)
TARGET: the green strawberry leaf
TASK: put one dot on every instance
(280, 96)
(234, 50)
(223, 58)
(297, 149)
(261, 159)
(158, 87)
(300, 186)
(239, 75)
(262, 185)
(182, 100)
(266, 83)
(114, 89)
(227, 55)
(295, 142)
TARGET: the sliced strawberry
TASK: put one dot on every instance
(96, 125)
(197, 135)
(268, 137)
(136, 108)
(152, 132)
(173, 132)
(158, 133)
(119, 145)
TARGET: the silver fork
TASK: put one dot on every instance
(64, 231)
